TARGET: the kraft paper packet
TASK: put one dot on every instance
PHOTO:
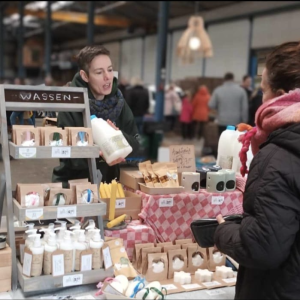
(72, 185)
(161, 171)
(67, 194)
(14, 127)
(153, 266)
(137, 252)
(74, 137)
(173, 174)
(142, 263)
(122, 265)
(184, 241)
(47, 187)
(173, 257)
(211, 262)
(81, 188)
(26, 189)
(146, 175)
(114, 243)
(49, 132)
(193, 253)
(23, 134)
(154, 177)
(36, 263)
(171, 247)
(164, 244)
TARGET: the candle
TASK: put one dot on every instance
(203, 275)
(112, 202)
(224, 272)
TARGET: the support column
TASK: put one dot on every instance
(163, 19)
(90, 27)
(1, 44)
(143, 58)
(48, 40)
(21, 69)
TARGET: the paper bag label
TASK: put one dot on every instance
(68, 260)
(97, 258)
(37, 265)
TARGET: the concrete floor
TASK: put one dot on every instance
(37, 171)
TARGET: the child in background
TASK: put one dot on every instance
(186, 116)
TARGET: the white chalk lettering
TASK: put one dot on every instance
(51, 97)
(44, 96)
(58, 97)
(36, 96)
(67, 97)
(26, 96)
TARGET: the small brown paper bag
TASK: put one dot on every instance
(74, 137)
(47, 187)
(146, 175)
(164, 244)
(27, 134)
(49, 135)
(55, 199)
(184, 241)
(156, 263)
(173, 174)
(161, 171)
(197, 258)
(154, 177)
(31, 195)
(56, 266)
(142, 263)
(82, 194)
(73, 184)
(171, 247)
(137, 252)
(115, 243)
(15, 127)
(86, 260)
(177, 261)
(213, 262)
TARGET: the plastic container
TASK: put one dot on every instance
(50, 247)
(112, 142)
(79, 246)
(38, 254)
(225, 153)
(67, 247)
(96, 244)
(236, 148)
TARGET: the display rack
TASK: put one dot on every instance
(32, 98)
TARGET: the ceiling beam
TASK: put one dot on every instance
(74, 17)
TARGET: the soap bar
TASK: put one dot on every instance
(224, 272)
(203, 275)
(197, 260)
(178, 264)
(217, 257)
(182, 277)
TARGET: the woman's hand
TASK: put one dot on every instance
(220, 219)
(112, 124)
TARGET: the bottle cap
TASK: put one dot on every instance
(93, 117)
(230, 127)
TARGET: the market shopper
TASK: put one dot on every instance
(107, 102)
(267, 242)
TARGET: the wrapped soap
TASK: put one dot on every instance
(177, 261)
(157, 267)
(224, 272)
(203, 275)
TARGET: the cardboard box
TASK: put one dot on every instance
(161, 190)
(131, 206)
(131, 178)
(5, 257)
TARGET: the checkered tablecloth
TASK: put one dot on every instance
(171, 223)
(134, 233)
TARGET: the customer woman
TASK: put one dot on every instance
(267, 242)
(106, 102)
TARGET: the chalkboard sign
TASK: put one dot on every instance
(184, 157)
(40, 96)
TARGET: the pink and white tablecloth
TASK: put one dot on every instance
(173, 222)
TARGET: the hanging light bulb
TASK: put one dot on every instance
(194, 43)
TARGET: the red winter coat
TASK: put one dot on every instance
(200, 105)
(186, 111)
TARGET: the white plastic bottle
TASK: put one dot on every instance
(67, 247)
(236, 148)
(28, 242)
(50, 247)
(62, 229)
(89, 229)
(96, 243)
(225, 155)
(79, 246)
(112, 142)
(37, 250)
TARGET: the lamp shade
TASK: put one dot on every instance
(194, 42)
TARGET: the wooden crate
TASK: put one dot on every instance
(5, 269)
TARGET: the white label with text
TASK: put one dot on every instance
(34, 214)
(27, 264)
(61, 152)
(58, 268)
(166, 202)
(107, 258)
(86, 262)
(217, 200)
(120, 203)
(70, 280)
(66, 212)
(169, 287)
(215, 292)
(191, 286)
(210, 284)
(230, 280)
(27, 152)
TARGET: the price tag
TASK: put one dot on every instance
(66, 212)
(166, 202)
(70, 280)
(27, 264)
(120, 203)
(217, 200)
(169, 287)
(107, 258)
(86, 262)
(58, 268)
(61, 152)
(27, 152)
(210, 284)
(34, 214)
(215, 292)
(191, 286)
(230, 280)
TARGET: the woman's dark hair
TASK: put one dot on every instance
(283, 67)
(87, 54)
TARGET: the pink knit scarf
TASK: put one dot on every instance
(271, 115)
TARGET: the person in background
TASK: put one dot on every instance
(267, 242)
(247, 85)
(106, 102)
(200, 110)
(171, 108)
(231, 103)
(123, 85)
(186, 116)
(137, 98)
(17, 114)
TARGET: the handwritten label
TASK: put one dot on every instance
(191, 286)
(66, 212)
(217, 200)
(210, 284)
(166, 202)
(184, 157)
(86, 262)
(61, 152)
(27, 264)
(230, 280)
(107, 258)
(27, 152)
(215, 292)
(58, 265)
(34, 214)
(70, 280)
(169, 287)
(120, 203)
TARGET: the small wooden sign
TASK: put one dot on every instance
(184, 157)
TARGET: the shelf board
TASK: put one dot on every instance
(38, 152)
(48, 282)
(50, 212)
